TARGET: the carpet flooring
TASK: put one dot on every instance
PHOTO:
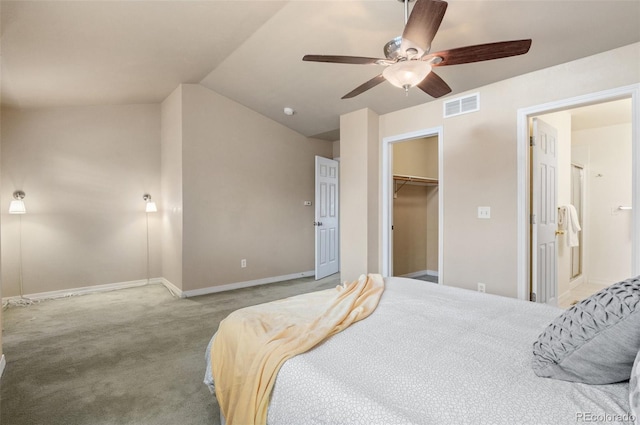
(132, 356)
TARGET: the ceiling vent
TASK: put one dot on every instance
(462, 105)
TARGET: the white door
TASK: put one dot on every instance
(544, 207)
(326, 218)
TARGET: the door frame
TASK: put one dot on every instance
(523, 179)
(584, 236)
(387, 195)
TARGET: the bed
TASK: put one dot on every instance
(432, 354)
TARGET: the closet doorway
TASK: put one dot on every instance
(387, 219)
(416, 209)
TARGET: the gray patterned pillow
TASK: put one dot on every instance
(634, 390)
(596, 340)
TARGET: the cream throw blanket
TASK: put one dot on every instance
(252, 343)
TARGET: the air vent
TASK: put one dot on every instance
(462, 105)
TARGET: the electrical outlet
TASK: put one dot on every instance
(243, 263)
(308, 203)
(484, 212)
(482, 287)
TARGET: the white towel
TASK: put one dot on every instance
(573, 226)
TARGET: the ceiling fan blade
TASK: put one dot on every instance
(422, 25)
(364, 87)
(356, 60)
(434, 86)
(481, 52)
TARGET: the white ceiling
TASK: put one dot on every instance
(63, 53)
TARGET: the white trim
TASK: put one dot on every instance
(158, 280)
(3, 363)
(579, 280)
(86, 290)
(387, 203)
(246, 284)
(421, 273)
(172, 288)
(524, 114)
(564, 297)
(602, 282)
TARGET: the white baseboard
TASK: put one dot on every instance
(577, 282)
(564, 297)
(239, 285)
(157, 280)
(172, 288)
(85, 290)
(601, 282)
(3, 363)
(421, 273)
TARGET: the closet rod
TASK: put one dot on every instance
(414, 179)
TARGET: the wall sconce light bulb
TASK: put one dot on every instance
(151, 206)
(17, 205)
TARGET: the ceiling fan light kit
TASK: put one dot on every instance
(408, 60)
(406, 74)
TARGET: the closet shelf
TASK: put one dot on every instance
(413, 180)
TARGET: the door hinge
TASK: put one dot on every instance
(532, 297)
(532, 219)
(392, 227)
(532, 141)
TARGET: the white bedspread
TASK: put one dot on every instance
(437, 355)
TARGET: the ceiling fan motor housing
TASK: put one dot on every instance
(393, 50)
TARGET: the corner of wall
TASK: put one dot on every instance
(171, 186)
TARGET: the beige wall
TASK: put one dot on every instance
(608, 185)
(84, 171)
(410, 229)
(171, 186)
(480, 166)
(418, 157)
(359, 217)
(336, 149)
(229, 183)
(245, 180)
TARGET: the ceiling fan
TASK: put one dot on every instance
(408, 60)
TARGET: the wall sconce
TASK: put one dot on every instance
(17, 205)
(151, 206)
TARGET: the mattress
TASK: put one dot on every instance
(432, 354)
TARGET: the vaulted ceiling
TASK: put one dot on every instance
(63, 53)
